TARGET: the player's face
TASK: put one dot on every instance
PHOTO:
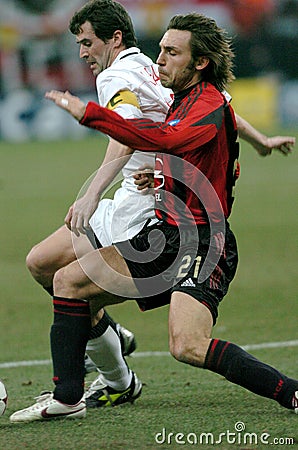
(97, 54)
(176, 67)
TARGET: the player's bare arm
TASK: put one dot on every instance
(79, 214)
(262, 143)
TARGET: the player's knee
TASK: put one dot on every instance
(179, 348)
(35, 262)
(183, 349)
(62, 282)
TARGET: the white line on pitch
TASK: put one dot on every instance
(44, 362)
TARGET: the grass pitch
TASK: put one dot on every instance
(180, 405)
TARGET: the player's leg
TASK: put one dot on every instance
(54, 252)
(58, 250)
(106, 347)
(116, 383)
(92, 277)
(190, 324)
(127, 344)
(72, 325)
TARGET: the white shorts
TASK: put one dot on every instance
(123, 217)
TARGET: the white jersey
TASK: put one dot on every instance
(131, 72)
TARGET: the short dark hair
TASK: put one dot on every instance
(209, 40)
(105, 16)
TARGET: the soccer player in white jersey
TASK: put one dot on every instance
(131, 87)
(127, 82)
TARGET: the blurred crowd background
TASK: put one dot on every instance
(37, 53)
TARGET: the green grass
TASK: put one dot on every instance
(38, 182)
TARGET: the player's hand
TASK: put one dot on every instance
(79, 214)
(283, 144)
(144, 179)
(68, 102)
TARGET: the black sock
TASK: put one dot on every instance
(101, 327)
(69, 335)
(241, 368)
(49, 289)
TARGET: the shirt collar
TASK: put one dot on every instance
(126, 52)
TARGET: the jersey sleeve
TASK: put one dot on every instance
(147, 135)
(126, 104)
(107, 86)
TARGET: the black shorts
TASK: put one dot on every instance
(93, 239)
(163, 259)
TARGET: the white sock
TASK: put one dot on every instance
(105, 351)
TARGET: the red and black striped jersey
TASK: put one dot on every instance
(196, 150)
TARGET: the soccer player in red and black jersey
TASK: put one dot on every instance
(189, 257)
